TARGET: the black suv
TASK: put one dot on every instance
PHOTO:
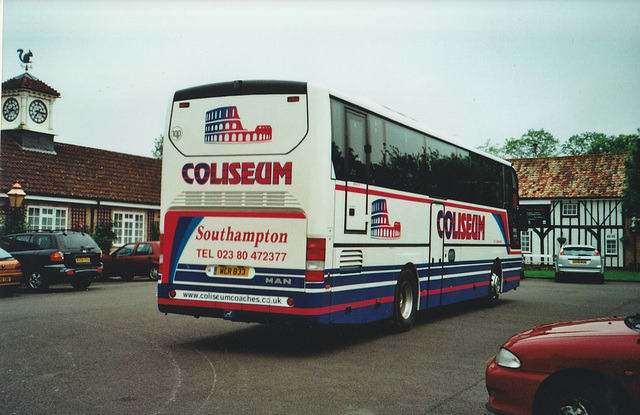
(50, 257)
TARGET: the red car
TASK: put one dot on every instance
(576, 367)
(137, 258)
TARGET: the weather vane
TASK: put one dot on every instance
(25, 58)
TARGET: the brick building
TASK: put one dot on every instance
(69, 186)
(578, 198)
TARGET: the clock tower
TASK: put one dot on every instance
(27, 112)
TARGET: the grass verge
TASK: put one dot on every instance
(609, 274)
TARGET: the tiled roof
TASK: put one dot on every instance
(28, 81)
(587, 176)
(80, 173)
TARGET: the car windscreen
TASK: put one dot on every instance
(633, 322)
(4, 255)
(76, 241)
(579, 250)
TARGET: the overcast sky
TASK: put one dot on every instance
(474, 70)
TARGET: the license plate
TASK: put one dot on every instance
(232, 271)
(5, 279)
(82, 260)
(579, 261)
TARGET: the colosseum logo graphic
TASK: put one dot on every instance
(380, 227)
(222, 125)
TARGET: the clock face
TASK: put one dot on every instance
(10, 109)
(38, 111)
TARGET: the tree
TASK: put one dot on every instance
(157, 147)
(104, 236)
(598, 143)
(582, 143)
(496, 150)
(14, 222)
(611, 144)
(535, 143)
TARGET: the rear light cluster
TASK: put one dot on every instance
(57, 257)
(161, 257)
(316, 250)
(595, 252)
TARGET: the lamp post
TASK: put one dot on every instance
(16, 195)
(14, 220)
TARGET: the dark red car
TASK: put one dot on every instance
(576, 367)
(137, 258)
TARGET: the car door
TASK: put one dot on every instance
(122, 259)
(142, 258)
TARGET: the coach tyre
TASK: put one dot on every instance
(404, 305)
(494, 284)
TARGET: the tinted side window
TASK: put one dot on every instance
(144, 249)
(405, 157)
(349, 139)
(441, 161)
(339, 140)
(357, 140)
(125, 250)
(378, 168)
(23, 243)
(42, 241)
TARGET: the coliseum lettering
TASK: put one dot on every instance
(263, 173)
(460, 226)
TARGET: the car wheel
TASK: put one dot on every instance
(153, 273)
(126, 276)
(494, 290)
(81, 283)
(584, 397)
(404, 305)
(36, 281)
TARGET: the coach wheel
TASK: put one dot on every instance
(404, 306)
(494, 285)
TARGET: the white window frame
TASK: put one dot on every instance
(129, 227)
(611, 245)
(41, 218)
(525, 242)
(570, 209)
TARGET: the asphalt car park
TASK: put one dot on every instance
(109, 350)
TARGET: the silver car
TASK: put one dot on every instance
(579, 260)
